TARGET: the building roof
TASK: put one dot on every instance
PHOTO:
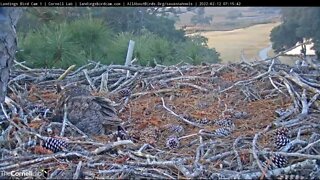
(297, 50)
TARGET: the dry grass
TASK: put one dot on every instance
(229, 36)
(222, 22)
(219, 14)
(249, 40)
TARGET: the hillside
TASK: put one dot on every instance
(247, 41)
(235, 31)
(230, 18)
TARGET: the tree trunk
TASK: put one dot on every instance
(8, 45)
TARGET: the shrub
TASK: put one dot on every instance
(196, 51)
(148, 47)
(93, 37)
(50, 47)
(65, 44)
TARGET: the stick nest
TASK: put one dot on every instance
(234, 121)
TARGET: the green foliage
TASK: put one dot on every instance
(199, 40)
(135, 19)
(164, 28)
(147, 48)
(35, 17)
(120, 45)
(298, 23)
(150, 47)
(283, 37)
(92, 36)
(196, 51)
(200, 17)
(161, 48)
(50, 47)
(61, 45)
(64, 36)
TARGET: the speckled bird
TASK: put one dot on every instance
(91, 114)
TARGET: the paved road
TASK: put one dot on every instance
(263, 54)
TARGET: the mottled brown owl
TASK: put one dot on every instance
(91, 114)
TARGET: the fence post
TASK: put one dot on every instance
(129, 55)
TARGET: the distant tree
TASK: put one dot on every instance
(59, 37)
(195, 51)
(136, 19)
(298, 23)
(284, 36)
(200, 17)
(158, 20)
(234, 14)
(35, 17)
(267, 10)
(166, 11)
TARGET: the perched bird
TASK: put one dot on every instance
(91, 114)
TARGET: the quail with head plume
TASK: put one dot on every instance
(91, 114)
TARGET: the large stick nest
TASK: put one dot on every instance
(235, 121)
